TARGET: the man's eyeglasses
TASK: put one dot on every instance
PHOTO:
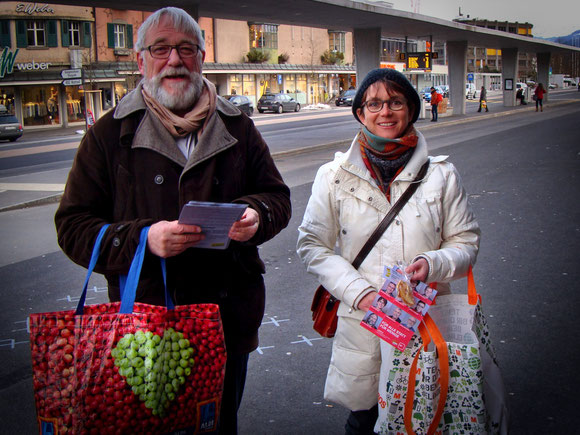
(163, 51)
(375, 106)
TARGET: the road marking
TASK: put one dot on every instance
(38, 150)
(33, 187)
(306, 340)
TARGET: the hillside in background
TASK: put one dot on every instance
(572, 39)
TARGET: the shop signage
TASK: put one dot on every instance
(32, 8)
(72, 82)
(7, 61)
(32, 66)
(71, 73)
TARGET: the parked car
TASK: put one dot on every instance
(552, 86)
(278, 103)
(346, 97)
(10, 127)
(241, 102)
(470, 91)
(521, 85)
(425, 93)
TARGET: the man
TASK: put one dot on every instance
(169, 141)
(435, 100)
(483, 100)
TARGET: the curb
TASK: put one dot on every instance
(33, 203)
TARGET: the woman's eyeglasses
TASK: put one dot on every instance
(375, 106)
(163, 51)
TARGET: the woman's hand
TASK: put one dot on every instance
(418, 270)
(366, 302)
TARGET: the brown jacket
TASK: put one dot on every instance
(129, 172)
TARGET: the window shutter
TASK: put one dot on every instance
(64, 30)
(111, 35)
(129, 36)
(21, 40)
(86, 36)
(5, 34)
(52, 38)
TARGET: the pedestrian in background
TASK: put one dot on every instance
(170, 141)
(435, 100)
(483, 100)
(539, 94)
(350, 195)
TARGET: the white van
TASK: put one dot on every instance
(470, 91)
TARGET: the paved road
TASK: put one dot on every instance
(521, 171)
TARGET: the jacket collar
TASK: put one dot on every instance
(151, 134)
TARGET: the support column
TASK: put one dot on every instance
(457, 52)
(367, 46)
(544, 72)
(509, 71)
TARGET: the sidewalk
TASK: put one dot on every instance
(46, 187)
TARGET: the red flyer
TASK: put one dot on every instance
(398, 308)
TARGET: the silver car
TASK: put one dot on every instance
(10, 127)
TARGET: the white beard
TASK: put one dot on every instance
(185, 94)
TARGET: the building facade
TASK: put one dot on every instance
(488, 60)
(45, 46)
(49, 70)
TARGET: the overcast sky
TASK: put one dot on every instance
(550, 18)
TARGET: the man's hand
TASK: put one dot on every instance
(167, 239)
(244, 229)
(419, 270)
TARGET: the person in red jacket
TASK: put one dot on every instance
(435, 100)
(539, 93)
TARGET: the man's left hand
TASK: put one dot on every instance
(244, 229)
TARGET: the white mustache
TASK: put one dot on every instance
(172, 72)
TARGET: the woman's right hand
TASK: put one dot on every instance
(367, 301)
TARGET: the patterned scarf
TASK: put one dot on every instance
(386, 158)
(194, 120)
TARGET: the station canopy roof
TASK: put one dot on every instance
(345, 15)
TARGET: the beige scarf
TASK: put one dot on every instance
(194, 120)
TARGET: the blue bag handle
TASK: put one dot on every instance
(124, 281)
(132, 280)
(92, 264)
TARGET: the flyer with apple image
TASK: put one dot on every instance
(398, 308)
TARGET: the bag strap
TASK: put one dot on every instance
(388, 219)
(130, 291)
(92, 263)
(428, 329)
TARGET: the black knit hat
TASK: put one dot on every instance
(394, 76)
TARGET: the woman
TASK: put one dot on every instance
(435, 233)
(539, 93)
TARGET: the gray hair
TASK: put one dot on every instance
(182, 21)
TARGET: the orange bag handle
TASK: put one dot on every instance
(429, 328)
(472, 295)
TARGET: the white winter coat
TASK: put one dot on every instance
(345, 207)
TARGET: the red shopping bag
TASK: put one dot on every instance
(127, 367)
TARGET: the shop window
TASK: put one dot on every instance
(40, 105)
(120, 36)
(337, 41)
(7, 101)
(36, 33)
(264, 36)
(5, 34)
